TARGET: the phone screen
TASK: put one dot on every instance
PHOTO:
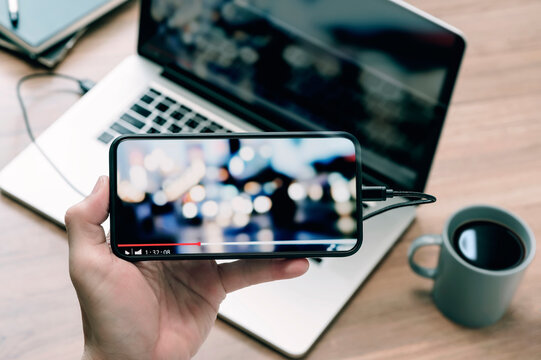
(235, 195)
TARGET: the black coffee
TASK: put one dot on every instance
(488, 245)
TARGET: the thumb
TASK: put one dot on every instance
(83, 220)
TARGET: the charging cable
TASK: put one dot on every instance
(84, 85)
(382, 193)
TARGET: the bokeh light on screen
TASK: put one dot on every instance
(189, 210)
(197, 193)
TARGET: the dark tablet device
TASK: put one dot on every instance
(230, 196)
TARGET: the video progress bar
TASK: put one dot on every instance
(239, 243)
(169, 244)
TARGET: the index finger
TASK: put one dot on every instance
(242, 273)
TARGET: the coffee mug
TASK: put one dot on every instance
(484, 251)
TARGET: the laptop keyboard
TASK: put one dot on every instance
(156, 113)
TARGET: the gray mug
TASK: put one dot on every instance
(466, 294)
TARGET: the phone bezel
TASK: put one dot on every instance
(113, 197)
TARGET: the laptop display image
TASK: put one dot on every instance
(370, 68)
(378, 69)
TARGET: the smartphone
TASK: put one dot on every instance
(231, 196)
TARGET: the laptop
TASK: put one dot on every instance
(381, 70)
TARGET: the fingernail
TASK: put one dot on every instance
(97, 186)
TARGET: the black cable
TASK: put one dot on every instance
(381, 193)
(84, 84)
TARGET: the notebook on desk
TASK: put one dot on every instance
(378, 69)
(42, 24)
(48, 58)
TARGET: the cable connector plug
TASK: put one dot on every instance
(376, 193)
(85, 85)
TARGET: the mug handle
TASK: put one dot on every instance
(421, 241)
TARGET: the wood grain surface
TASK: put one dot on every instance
(490, 152)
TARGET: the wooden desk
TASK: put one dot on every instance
(490, 152)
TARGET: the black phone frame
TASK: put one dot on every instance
(113, 197)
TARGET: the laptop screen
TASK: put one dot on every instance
(372, 68)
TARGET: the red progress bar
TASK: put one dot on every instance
(171, 244)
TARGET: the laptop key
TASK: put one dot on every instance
(121, 129)
(147, 99)
(192, 123)
(159, 120)
(174, 129)
(173, 101)
(131, 120)
(106, 137)
(162, 107)
(199, 118)
(176, 115)
(153, 131)
(206, 129)
(140, 110)
(154, 91)
(185, 108)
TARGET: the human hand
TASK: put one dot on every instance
(152, 309)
